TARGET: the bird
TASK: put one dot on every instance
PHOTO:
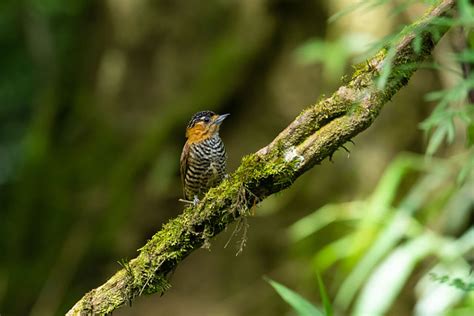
(203, 159)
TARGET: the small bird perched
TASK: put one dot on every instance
(203, 160)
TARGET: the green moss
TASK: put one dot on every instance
(367, 67)
(359, 69)
(255, 169)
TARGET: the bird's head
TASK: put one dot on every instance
(203, 125)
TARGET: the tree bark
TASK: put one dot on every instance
(313, 136)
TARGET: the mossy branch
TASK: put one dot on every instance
(313, 136)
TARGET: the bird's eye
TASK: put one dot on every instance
(206, 119)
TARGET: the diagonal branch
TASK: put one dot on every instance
(313, 136)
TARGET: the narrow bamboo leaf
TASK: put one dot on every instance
(391, 275)
(436, 139)
(387, 68)
(337, 250)
(301, 306)
(324, 216)
(450, 131)
(324, 296)
(417, 43)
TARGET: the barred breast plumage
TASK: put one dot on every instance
(203, 160)
(205, 167)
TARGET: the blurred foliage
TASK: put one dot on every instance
(94, 98)
(333, 55)
(405, 221)
(393, 232)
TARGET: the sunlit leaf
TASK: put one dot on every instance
(333, 252)
(386, 190)
(391, 275)
(301, 306)
(439, 296)
(381, 246)
(436, 139)
(393, 229)
(324, 216)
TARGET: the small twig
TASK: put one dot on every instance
(186, 201)
(347, 150)
(237, 228)
(243, 240)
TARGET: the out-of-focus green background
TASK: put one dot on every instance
(94, 100)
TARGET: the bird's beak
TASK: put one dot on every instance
(220, 119)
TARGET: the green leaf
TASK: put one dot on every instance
(324, 296)
(417, 41)
(466, 170)
(333, 252)
(301, 306)
(465, 10)
(386, 68)
(323, 217)
(450, 131)
(436, 139)
(391, 275)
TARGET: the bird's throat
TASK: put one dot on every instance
(197, 134)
